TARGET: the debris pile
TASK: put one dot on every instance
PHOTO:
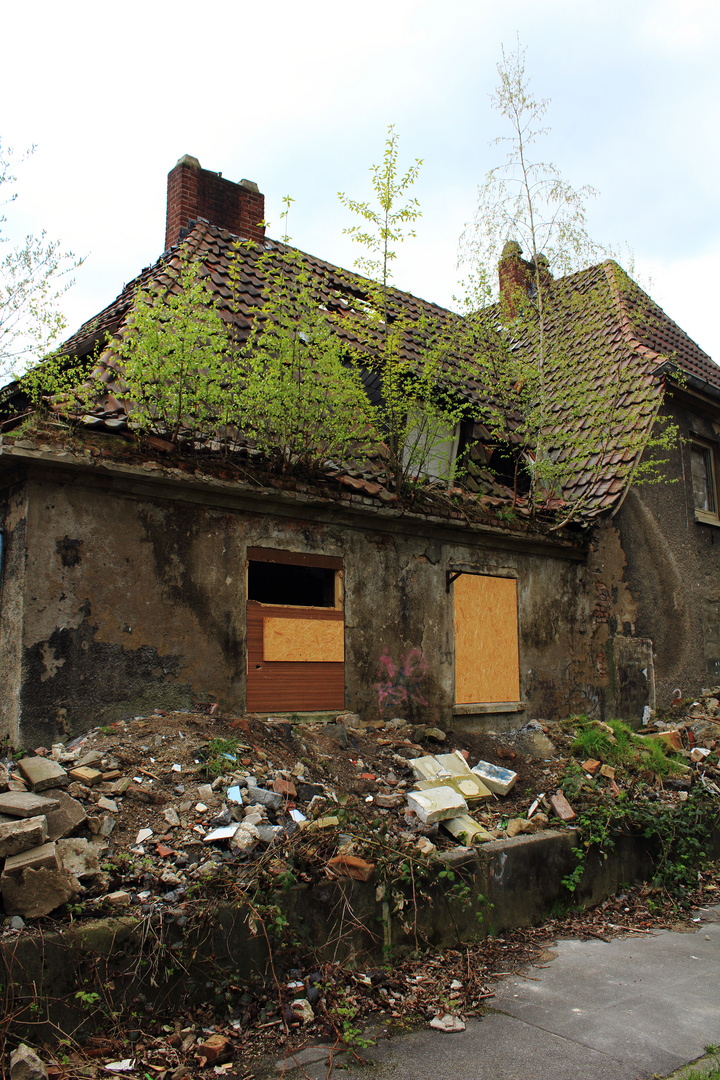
(135, 815)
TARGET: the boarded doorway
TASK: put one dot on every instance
(486, 640)
(295, 632)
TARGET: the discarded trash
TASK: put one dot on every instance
(447, 1022)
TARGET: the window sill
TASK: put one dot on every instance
(706, 517)
(488, 707)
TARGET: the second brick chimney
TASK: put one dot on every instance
(518, 278)
(194, 193)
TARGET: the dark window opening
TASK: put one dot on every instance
(481, 462)
(297, 586)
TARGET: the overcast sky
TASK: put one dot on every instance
(298, 97)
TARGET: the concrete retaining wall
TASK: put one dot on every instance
(134, 965)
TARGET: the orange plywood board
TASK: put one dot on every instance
(486, 639)
(303, 641)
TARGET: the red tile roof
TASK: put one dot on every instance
(601, 324)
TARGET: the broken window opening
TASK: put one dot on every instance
(293, 586)
(704, 482)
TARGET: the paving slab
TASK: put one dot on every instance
(43, 773)
(25, 804)
(630, 1009)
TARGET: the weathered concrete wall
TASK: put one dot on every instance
(672, 572)
(130, 596)
(13, 513)
(127, 961)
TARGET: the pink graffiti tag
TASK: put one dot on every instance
(400, 683)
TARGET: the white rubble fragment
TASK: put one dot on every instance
(447, 1022)
(499, 780)
(436, 804)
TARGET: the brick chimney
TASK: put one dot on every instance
(194, 193)
(518, 278)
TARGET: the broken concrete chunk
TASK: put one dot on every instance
(562, 807)
(518, 826)
(107, 804)
(90, 759)
(85, 775)
(66, 817)
(80, 857)
(24, 804)
(172, 817)
(4, 778)
(26, 1065)
(245, 839)
(465, 830)
(499, 780)
(351, 867)
(447, 1022)
(436, 804)
(34, 884)
(43, 773)
(20, 835)
(434, 734)
(350, 720)
(266, 798)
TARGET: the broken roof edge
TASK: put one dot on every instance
(192, 485)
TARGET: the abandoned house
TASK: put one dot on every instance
(138, 575)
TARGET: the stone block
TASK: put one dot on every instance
(43, 773)
(436, 804)
(4, 778)
(66, 817)
(497, 779)
(43, 856)
(86, 775)
(21, 834)
(24, 804)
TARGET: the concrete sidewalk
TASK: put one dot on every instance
(636, 1007)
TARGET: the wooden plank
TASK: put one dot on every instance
(290, 687)
(301, 641)
(486, 639)
(293, 558)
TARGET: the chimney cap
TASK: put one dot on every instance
(188, 159)
(511, 249)
(249, 185)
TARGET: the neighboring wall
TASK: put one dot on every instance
(671, 590)
(128, 599)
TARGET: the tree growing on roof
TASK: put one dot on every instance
(291, 391)
(556, 395)
(33, 276)
(417, 404)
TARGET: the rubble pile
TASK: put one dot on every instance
(135, 815)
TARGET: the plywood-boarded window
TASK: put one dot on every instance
(486, 639)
